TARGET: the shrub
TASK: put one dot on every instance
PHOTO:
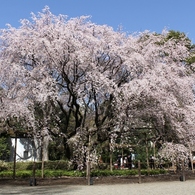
(94, 173)
(6, 174)
(58, 165)
(162, 171)
(31, 164)
(24, 165)
(23, 174)
(50, 165)
(3, 165)
(60, 173)
(97, 173)
(153, 171)
(144, 172)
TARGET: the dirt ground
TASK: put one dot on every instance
(150, 188)
(99, 180)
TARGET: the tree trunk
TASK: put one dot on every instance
(45, 145)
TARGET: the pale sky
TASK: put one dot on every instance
(132, 15)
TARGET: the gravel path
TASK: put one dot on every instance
(156, 188)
